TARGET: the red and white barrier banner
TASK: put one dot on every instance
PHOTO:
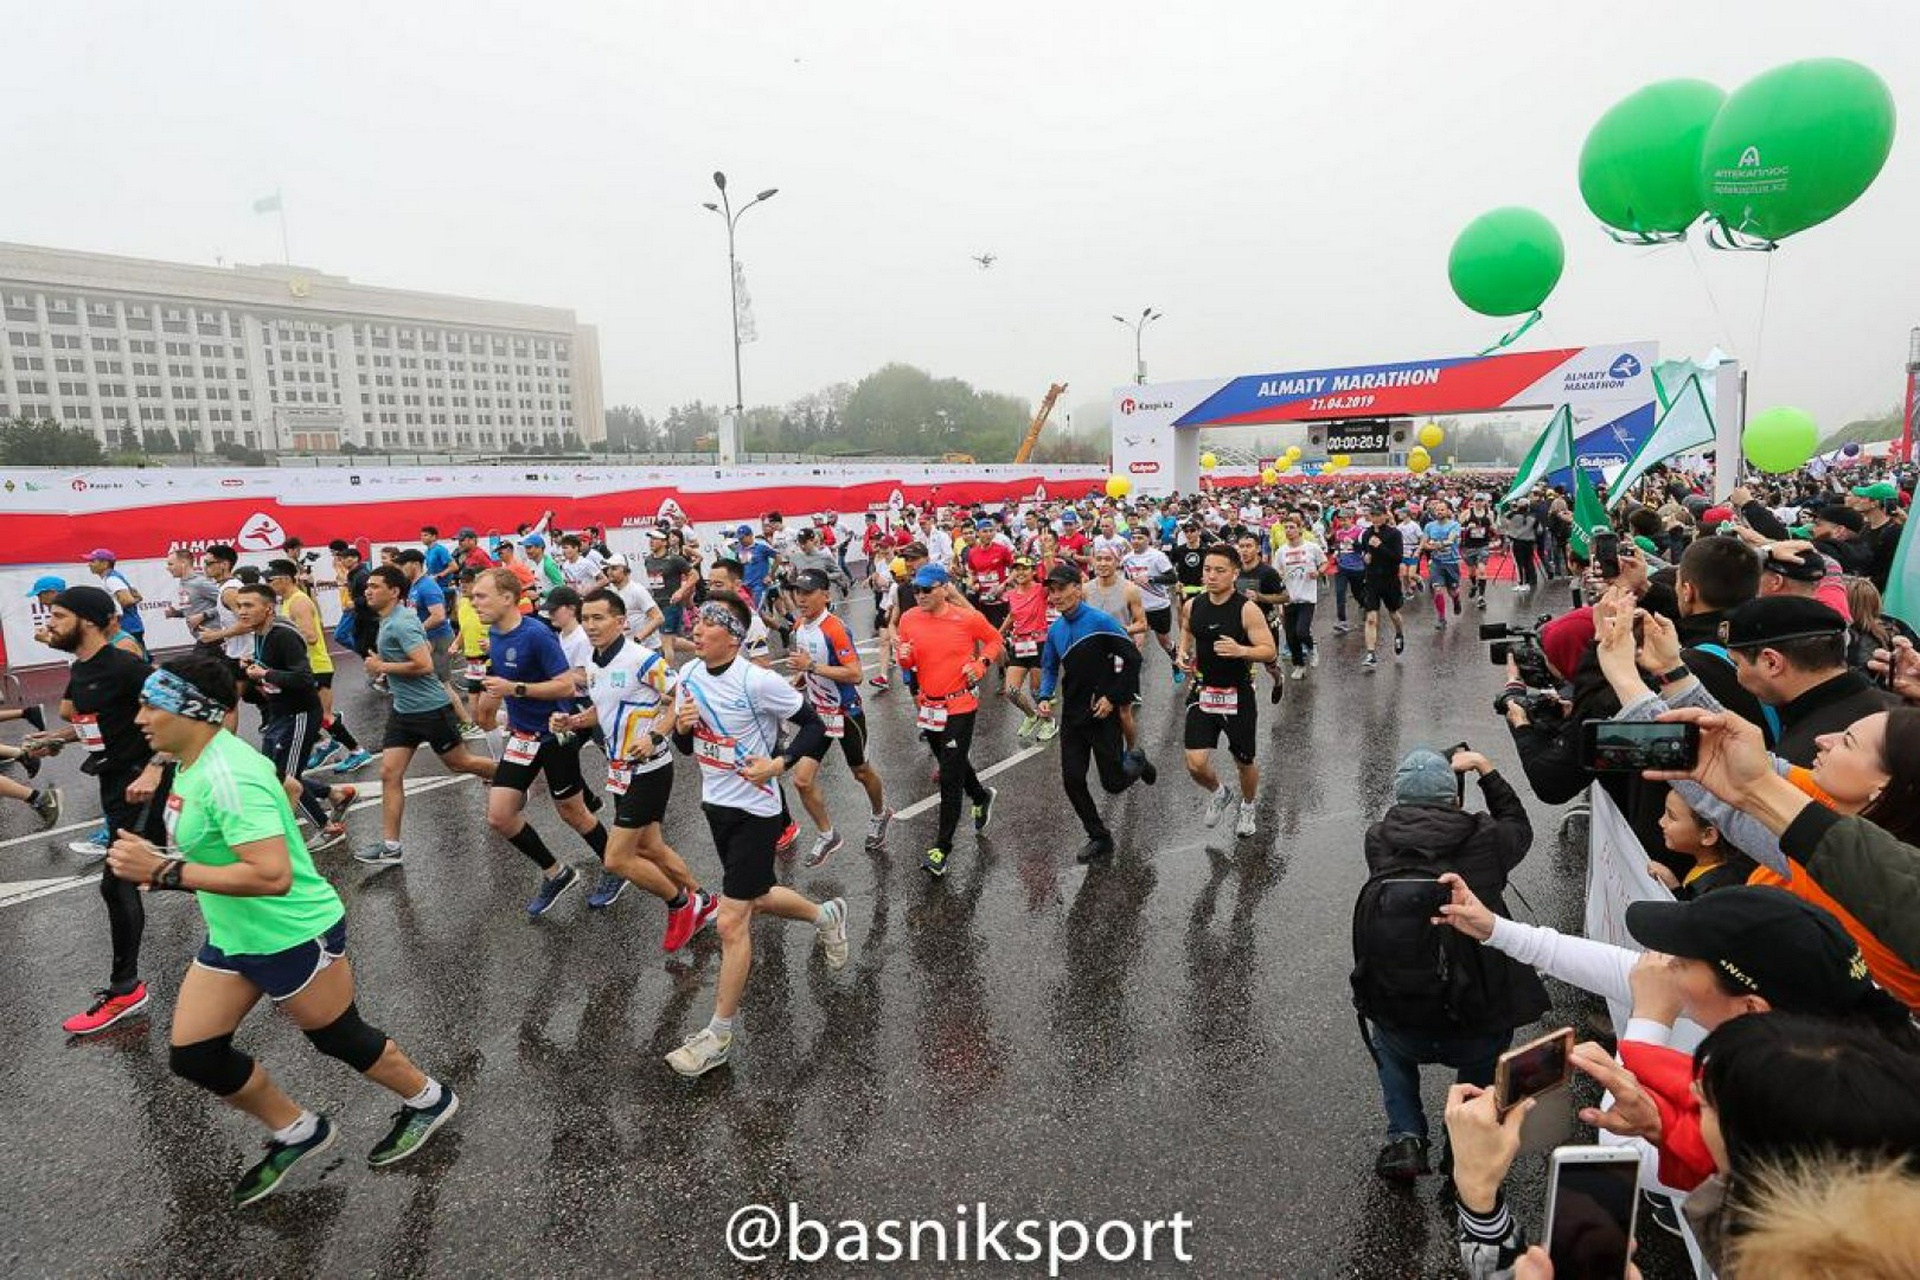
(50, 520)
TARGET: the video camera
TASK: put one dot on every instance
(1522, 645)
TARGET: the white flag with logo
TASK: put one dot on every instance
(1685, 424)
(742, 303)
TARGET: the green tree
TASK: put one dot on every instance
(901, 409)
(159, 440)
(47, 443)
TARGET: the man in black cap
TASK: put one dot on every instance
(102, 699)
(1836, 534)
(1791, 653)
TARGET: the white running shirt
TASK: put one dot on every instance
(1300, 569)
(740, 713)
(1140, 568)
(630, 692)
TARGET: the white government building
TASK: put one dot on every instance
(283, 358)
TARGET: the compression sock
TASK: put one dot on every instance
(528, 841)
(597, 841)
(337, 730)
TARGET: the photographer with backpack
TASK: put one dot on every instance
(1422, 997)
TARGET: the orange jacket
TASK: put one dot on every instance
(937, 648)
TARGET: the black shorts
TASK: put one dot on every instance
(1375, 593)
(1203, 728)
(1160, 621)
(559, 762)
(853, 741)
(745, 843)
(1030, 660)
(994, 611)
(645, 800)
(409, 729)
(323, 679)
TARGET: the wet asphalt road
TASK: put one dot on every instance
(1169, 1034)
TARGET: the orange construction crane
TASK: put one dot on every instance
(1054, 392)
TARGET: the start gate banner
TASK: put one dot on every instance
(50, 520)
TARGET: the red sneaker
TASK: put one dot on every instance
(681, 923)
(785, 843)
(106, 1010)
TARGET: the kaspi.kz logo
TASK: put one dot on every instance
(1127, 405)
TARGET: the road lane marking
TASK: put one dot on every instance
(933, 801)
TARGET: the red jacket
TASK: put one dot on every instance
(1667, 1076)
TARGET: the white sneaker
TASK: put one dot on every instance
(833, 937)
(701, 1053)
(1245, 826)
(1299, 673)
(1313, 656)
(877, 826)
(1217, 805)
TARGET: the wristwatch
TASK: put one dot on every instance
(1673, 677)
(520, 689)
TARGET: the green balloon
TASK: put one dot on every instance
(1640, 167)
(1796, 145)
(1780, 440)
(1506, 261)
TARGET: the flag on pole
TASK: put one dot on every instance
(267, 204)
(1589, 513)
(1903, 579)
(1685, 423)
(743, 304)
(1552, 452)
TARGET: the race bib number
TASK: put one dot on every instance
(476, 669)
(715, 751)
(1026, 648)
(619, 777)
(171, 817)
(836, 722)
(520, 748)
(932, 716)
(1219, 702)
(88, 729)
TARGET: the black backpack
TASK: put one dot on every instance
(1410, 974)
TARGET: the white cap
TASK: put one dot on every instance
(616, 560)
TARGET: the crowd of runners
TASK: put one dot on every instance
(754, 656)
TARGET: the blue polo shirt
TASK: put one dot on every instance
(425, 594)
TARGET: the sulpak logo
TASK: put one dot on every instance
(1145, 467)
(261, 532)
(1627, 366)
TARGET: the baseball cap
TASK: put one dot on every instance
(810, 580)
(931, 575)
(561, 598)
(1646, 544)
(47, 582)
(465, 532)
(617, 561)
(1878, 491)
(1777, 946)
(282, 569)
(88, 603)
(658, 531)
(1023, 562)
(1069, 516)
(101, 553)
(745, 530)
(1424, 777)
(1778, 619)
(984, 522)
(1845, 517)
(533, 540)
(1716, 515)
(1064, 574)
(1806, 565)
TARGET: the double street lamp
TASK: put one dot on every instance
(732, 216)
(1147, 317)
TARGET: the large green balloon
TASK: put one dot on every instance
(1640, 167)
(1796, 145)
(1506, 261)
(1780, 440)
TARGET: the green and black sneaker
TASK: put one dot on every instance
(935, 862)
(983, 812)
(265, 1178)
(412, 1126)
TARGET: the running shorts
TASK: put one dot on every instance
(745, 843)
(1443, 574)
(560, 762)
(281, 974)
(409, 729)
(1377, 594)
(1203, 728)
(1160, 621)
(644, 802)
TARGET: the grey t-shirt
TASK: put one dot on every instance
(400, 633)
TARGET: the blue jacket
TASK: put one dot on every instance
(1088, 656)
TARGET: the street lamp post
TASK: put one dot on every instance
(1913, 396)
(1147, 317)
(729, 426)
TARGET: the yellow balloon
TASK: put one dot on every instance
(1283, 463)
(1208, 462)
(1270, 475)
(1118, 486)
(1418, 462)
(1293, 451)
(1431, 435)
(1340, 461)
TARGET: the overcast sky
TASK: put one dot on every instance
(1282, 180)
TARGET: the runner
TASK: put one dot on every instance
(1261, 583)
(1092, 666)
(1221, 634)
(728, 718)
(274, 927)
(1379, 546)
(988, 564)
(530, 673)
(101, 562)
(1440, 539)
(421, 711)
(644, 616)
(670, 580)
(1026, 631)
(1148, 568)
(826, 668)
(101, 702)
(1477, 530)
(629, 687)
(297, 609)
(1411, 534)
(1301, 563)
(948, 648)
(430, 602)
(1119, 599)
(278, 680)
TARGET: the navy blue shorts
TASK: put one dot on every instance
(283, 974)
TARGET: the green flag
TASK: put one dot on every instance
(1552, 452)
(1588, 513)
(1685, 423)
(1903, 580)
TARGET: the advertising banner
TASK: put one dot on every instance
(1608, 388)
(1616, 876)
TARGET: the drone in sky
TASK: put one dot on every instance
(985, 260)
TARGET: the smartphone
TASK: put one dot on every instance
(1606, 552)
(1459, 779)
(1592, 1201)
(1537, 1067)
(1628, 746)
(1414, 897)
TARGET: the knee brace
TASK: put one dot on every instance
(215, 1065)
(351, 1040)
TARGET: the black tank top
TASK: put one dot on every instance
(1211, 621)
